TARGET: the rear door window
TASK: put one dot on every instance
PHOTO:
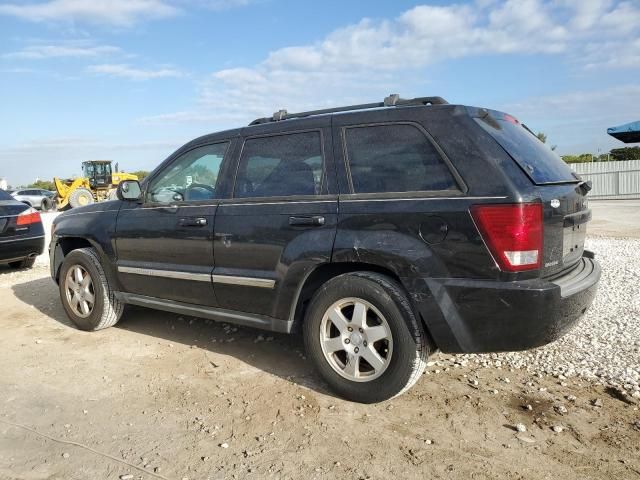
(539, 162)
(395, 158)
(281, 166)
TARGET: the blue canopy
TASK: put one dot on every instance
(627, 133)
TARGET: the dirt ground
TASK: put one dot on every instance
(161, 396)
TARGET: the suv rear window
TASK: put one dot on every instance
(538, 161)
(5, 195)
(395, 158)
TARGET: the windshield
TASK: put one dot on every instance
(96, 169)
(539, 162)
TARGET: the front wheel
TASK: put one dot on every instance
(85, 291)
(364, 337)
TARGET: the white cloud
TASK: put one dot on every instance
(114, 12)
(38, 52)
(132, 73)
(121, 13)
(370, 59)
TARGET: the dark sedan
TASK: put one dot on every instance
(21, 233)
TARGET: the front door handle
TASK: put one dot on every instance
(312, 221)
(192, 222)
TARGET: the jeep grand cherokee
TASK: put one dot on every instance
(381, 231)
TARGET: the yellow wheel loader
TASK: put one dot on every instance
(98, 183)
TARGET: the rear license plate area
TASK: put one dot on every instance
(573, 242)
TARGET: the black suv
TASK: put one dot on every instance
(381, 231)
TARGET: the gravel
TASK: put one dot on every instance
(605, 345)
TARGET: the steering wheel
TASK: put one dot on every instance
(199, 191)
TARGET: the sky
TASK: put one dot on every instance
(132, 80)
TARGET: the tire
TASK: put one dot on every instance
(403, 352)
(106, 310)
(24, 263)
(46, 205)
(80, 197)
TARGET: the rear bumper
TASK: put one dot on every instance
(480, 316)
(15, 249)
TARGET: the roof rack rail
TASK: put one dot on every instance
(392, 100)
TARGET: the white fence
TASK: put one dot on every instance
(611, 179)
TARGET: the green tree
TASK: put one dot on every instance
(582, 158)
(43, 184)
(625, 153)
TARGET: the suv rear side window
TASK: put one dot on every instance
(395, 158)
(281, 166)
(538, 161)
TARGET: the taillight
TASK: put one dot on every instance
(513, 233)
(28, 217)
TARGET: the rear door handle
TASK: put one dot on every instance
(192, 222)
(313, 221)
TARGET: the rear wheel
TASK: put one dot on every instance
(46, 204)
(80, 197)
(364, 338)
(86, 293)
(24, 263)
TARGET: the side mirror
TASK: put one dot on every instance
(129, 190)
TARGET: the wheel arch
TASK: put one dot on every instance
(67, 244)
(327, 271)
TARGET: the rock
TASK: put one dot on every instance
(224, 445)
(428, 442)
(571, 398)
(561, 409)
(126, 476)
(597, 402)
(557, 428)
(520, 427)
(65, 455)
(528, 407)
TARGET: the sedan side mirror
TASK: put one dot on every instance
(129, 190)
